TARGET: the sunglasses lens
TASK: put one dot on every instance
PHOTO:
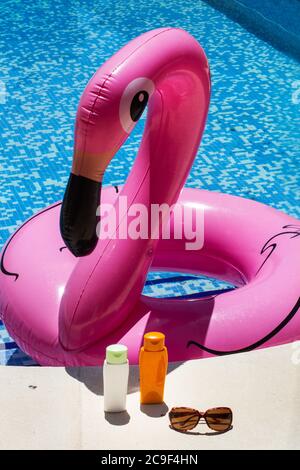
(183, 419)
(219, 419)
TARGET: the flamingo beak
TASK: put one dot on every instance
(78, 217)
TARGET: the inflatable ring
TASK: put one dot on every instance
(65, 295)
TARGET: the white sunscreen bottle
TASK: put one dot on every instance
(115, 378)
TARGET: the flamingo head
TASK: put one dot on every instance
(165, 68)
(110, 107)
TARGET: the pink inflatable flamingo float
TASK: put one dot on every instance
(64, 305)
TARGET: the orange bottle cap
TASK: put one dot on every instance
(154, 341)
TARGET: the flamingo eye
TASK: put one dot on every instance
(133, 101)
(138, 104)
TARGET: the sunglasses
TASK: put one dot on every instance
(184, 419)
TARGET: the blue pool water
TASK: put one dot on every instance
(50, 49)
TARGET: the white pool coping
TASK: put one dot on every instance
(51, 408)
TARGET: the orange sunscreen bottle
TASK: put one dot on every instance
(153, 368)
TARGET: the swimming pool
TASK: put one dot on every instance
(49, 50)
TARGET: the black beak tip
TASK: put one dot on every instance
(78, 217)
